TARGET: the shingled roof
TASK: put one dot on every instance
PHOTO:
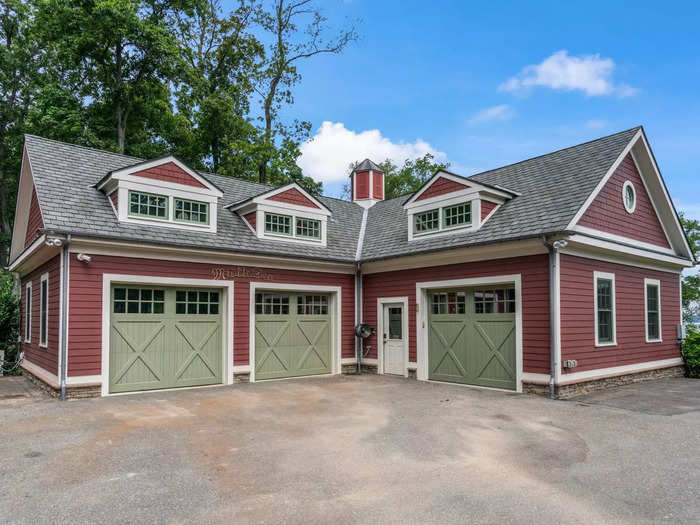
(550, 190)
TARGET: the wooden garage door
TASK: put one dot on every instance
(164, 338)
(471, 336)
(292, 335)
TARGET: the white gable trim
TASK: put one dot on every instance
(127, 174)
(264, 198)
(470, 186)
(24, 203)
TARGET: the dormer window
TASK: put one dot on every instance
(448, 203)
(288, 213)
(162, 192)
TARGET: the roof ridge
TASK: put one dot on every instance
(84, 147)
(551, 152)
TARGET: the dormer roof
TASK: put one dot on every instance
(292, 194)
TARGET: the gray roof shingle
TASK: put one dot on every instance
(551, 189)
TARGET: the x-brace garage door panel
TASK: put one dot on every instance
(471, 336)
(292, 335)
(164, 338)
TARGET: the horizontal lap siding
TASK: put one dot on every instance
(35, 221)
(441, 186)
(578, 315)
(169, 172)
(46, 358)
(85, 319)
(535, 289)
(607, 211)
(293, 196)
(486, 208)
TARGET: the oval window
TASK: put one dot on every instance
(629, 197)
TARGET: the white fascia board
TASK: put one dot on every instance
(623, 240)
(447, 199)
(123, 173)
(159, 186)
(24, 202)
(611, 246)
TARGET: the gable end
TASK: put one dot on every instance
(293, 196)
(441, 186)
(35, 220)
(169, 172)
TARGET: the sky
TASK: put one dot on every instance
(484, 84)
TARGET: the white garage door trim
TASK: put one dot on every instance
(422, 319)
(335, 309)
(227, 313)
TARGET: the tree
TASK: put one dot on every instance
(691, 282)
(405, 179)
(19, 83)
(116, 57)
(289, 45)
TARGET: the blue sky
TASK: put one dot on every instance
(486, 84)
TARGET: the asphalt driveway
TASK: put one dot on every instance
(352, 450)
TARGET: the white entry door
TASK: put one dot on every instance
(394, 338)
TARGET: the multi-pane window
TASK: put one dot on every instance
(605, 309)
(148, 205)
(139, 300)
(28, 313)
(310, 228)
(191, 211)
(271, 304)
(497, 301)
(395, 323)
(278, 224)
(653, 311)
(426, 222)
(44, 310)
(458, 215)
(312, 305)
(449, 302)
(196, 302)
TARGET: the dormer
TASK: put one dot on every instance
(448, 203)
(162, 192)
(288, 214)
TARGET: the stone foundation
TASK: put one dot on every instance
(72, 392)
(595, 385)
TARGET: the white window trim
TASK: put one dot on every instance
(262, 209)
(611, 277)
(45, 333)
(628, 184)
(657, 283)
(441, 229)
(28, 312)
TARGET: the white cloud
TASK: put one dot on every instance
(327, 155)
(591, 74)
(500, 112)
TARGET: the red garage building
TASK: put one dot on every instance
(559, 273)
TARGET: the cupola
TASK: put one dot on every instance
(367, 183)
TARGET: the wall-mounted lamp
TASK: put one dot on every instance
(84, 258)
(54, 242)
(560, 245)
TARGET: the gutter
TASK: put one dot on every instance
(554, 312)
(64, 318)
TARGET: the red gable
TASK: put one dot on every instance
(35, 220)
(293, 196)
(441, 186)
(169, 172)
(607, 211)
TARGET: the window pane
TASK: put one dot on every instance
(605, 326)
(458, 215)
(119, 294)
(191, 211)
(308, 228)
(281, 224)
(119, 307)
(148, 204)
(395, 323)
(426, 221)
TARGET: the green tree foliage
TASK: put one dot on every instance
(691, 353)
(9, 317)
(691, 282)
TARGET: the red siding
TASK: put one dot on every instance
(46, 358)
(577, 315)
(607, 212)
(441, 186)
(85, 319)
(486, 208)
(35, 221)
(293, 196)
(169, 172)
(378, 182)
(362, 185)
(114, 197)
(535, 289)
(251, 218)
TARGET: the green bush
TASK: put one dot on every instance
(9, 318)
(691, 353)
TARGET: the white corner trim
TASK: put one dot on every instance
(28, 307)
(610, 276)
(227, 315)
(336, 317)
(557, 316)
(604, 180)
(381, 303)
(422, 319)
(44, 330)
(361, 237)
(657, 283)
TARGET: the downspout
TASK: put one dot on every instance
(358, 314)
(64, 317)
(553, 364)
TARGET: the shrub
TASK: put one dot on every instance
(9, 318)
(691, 353)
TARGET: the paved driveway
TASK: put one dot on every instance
(348, 450)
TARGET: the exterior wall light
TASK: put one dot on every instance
(560, 245)
(84, 258)
(54, 242)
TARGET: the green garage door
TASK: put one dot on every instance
(292, 335)
(471, 336)
(164, 338)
